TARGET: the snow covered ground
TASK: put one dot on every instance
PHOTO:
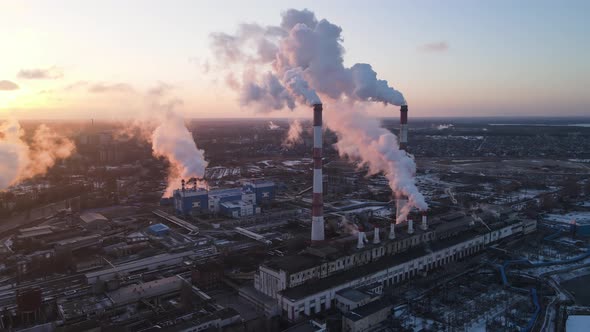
(577, 323)
(581, 217)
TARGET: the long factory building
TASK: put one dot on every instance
(308, 283)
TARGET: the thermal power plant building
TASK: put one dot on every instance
(264, 190)
(307, 283)
(191, 201)
(232, 202)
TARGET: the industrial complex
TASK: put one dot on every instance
(289, 243)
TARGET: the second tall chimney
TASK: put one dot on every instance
(317, 205)
(403, 129)
(401, 201)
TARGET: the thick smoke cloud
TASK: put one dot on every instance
(20, 161)
(165, 129)
(172, 140)
(361, 138)
(301, 49)
(308, 63)
(41, 73)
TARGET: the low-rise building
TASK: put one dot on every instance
(366, 317)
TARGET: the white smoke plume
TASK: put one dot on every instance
(20, 161)
(361, 138)
(172, 140)
(301, 55)
(307, 63)
(273, 126)
(294, 134)
(165, 129)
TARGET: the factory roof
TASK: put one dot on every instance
(137, 264)
(294, 263)
(367, 309)
(260, 183)
(307, 289)
(188, 192)
(158, 228)
(353, 295)
(35, 231)
(146, 290)
(77, 239)
(226, 192)
(90, 217)
(234, 204)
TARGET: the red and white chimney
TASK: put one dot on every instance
(401, 201)
(403, 129)
(317, 205)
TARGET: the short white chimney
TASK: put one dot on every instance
(361, 240)
(424, 225)
(410, 226)
(376, 239)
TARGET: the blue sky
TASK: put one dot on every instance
(451, 58)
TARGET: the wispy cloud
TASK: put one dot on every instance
(8, 86)
(51, 73)
(434, 47)
(110, 87)
(160, 89)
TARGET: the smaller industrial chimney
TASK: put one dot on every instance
(361, 239)
(392, 229)
(376, 238)
(410, 226)
(424, 225)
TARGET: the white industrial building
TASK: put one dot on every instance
(388, 263)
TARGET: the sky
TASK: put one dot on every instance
(96, 59)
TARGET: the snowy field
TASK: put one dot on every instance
(580, 217)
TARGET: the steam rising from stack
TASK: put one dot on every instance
(173, 141)
(294, 134)
(301, 60)
(165, 129)
(20, 161)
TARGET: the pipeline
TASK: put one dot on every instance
(533, 319)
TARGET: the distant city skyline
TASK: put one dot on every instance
(66, 59)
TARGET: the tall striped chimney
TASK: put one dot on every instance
(403, 128)
(401, 201)
(317, 205)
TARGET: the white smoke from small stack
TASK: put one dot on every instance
(173, 141)
(273, 126)
(361, 138)
(307, 62)
(294, 134)
(20, 161)
(164, 127)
